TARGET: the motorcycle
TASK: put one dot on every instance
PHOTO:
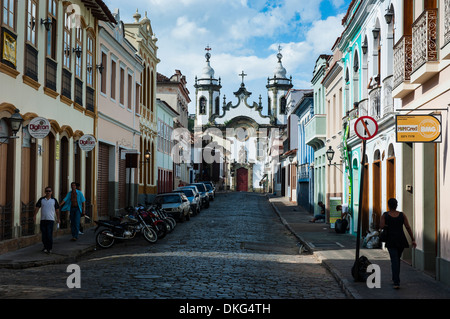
(160, 213)
(123, 228)
(157, 223)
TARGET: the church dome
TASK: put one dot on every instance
(208, 71)
(280, 71)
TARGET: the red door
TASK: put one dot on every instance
(242, 180)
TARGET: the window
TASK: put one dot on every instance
(9, 13)
(130, 91)
(90, 61)
(67, 42)
(79, 56)
(51, 33)
(31, 21)
(138, 94)
(113, 80)
(31, 53)
(202, 105)
(122, 86)
(103, 76)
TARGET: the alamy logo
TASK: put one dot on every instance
(74, 280)
(73, 16)
(374, 279)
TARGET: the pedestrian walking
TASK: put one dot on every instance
(81, 225)
(321, 215)
(75, 203)
(396, 240)
(49, 210)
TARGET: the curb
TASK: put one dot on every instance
(343, 283)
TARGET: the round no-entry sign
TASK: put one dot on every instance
(366, 127)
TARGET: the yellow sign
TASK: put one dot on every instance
(418, 128)
(9, 48)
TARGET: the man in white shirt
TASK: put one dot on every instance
(49, 209)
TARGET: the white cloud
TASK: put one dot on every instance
(243, 34)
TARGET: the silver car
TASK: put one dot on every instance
(175, 204)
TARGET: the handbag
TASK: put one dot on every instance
(383, 234)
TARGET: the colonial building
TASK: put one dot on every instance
(141, 36)
(332, 84)
(243, 124)
(174, 92)
(315, 131)
(47, 71)
(421, 81)
(119, 91)
(164, 156)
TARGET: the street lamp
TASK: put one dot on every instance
(388, 16)
(15, 121)
(330, 155)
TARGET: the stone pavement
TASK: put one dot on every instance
(64, 251)
(337, 252)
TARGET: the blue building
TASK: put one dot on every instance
(304, 110)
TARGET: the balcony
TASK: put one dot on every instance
(375, 103)
(403, 67)
(316, 131)
(445, 50)
(425, 61)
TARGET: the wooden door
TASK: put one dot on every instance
(242, 180)
(103, 180)
(365, 202)
(376, 215)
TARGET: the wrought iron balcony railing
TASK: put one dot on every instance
(402, 60)
(424, 39)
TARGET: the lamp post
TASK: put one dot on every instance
(15, 121)
(330, 155)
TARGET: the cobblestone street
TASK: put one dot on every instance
(236, 249)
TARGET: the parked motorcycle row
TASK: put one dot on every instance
(158, 219)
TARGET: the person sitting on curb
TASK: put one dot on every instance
(321, 215)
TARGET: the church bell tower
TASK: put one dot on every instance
(207, 94)
(277, 87)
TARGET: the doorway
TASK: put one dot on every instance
(242, 180)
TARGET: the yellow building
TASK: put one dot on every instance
(141, 36)
(47, 70)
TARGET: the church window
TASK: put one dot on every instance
(217, 106)
(283, 105)
(202, 105)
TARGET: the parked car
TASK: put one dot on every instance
(204, 200)
(210, 191)
(203, 191)
(213, 186)
(193, 196)
(175, 204)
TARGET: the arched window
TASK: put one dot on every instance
(202, 103)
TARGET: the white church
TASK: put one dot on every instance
(244, 141)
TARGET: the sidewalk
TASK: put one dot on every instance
(64, 251)
(337, 252)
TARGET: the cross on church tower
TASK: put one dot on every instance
(242, 75)
(207, 55)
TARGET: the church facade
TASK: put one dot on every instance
(248, 130)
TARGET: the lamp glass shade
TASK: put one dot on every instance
(16, 122)
(330, 154)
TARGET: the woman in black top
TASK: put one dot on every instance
(396, 239)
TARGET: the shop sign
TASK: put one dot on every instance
(334, 213)
(9, 48)
(39, 127)
(87, 142)
(418, 128)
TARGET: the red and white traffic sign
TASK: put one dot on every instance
(366, 127)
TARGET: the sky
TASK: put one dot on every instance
(244, 35)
